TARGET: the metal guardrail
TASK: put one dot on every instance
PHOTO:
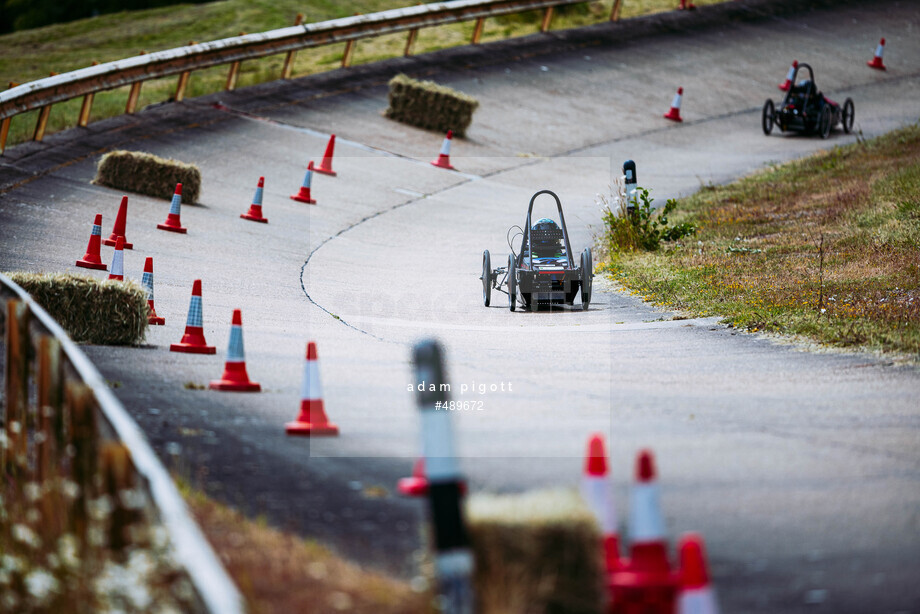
(66, 381)
(43, 93)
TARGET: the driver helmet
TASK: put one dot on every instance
(545, 245)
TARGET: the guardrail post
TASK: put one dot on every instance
(85, 110)
(133, 96)
(82, 437)
(48, 441)
(477, 31)
(615, 10)
(17, 388)
(4, 132)
(181, 85)
(349, 51)
(410, 42)
(289, 58)
(232, 76)
(117, 476)
(547, 18)
(42, 123)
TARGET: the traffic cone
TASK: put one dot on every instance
(674, 112)
(173, 223)
(686, 6)
(325, 167)
(91, 259)
(696, 594)
(785, 85)
(443, 160)
(417, 484)
(147, 281)
(193, 341)
(304, 194)
(255, 209)
(645, 583)
(118, 230)
(595, 489)
(118, 261)
(235, 378)
(312, 419)
(876, 62)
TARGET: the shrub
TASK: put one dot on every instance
(430, 106)
(641, 226)
(147, 174)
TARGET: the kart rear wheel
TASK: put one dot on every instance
(824, 122)
(512, 284)
(571, 294)
(767, 121)
(849, 112)
(587, 272)
(486, 278)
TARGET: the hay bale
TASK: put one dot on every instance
(90, 310)
(144, 173)
(430, 106)
(536, 553)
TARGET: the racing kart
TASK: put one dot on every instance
(805, 109)
(544, 271)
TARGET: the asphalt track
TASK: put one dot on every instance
(800, 467)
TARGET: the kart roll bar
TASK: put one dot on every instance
(795, 80)
(565, 232)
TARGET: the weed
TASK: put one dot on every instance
(633, 226)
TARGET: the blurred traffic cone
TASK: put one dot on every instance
(304, 194)
(235, 378)
(118, 261)
(876, 62)
(91, 259)
(255, 209)
(118, 230)
(595, 489)
(674, 112)
(785, 85)
(325, 167)
(193, 341)
(696, 594)
(312, 419)
(147, 281)
(173, 223)
(417, 484)
(443, 160)
(686, 6)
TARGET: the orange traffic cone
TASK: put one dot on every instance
(193, 341)
(118, 261)
(303, 195)
(235, 378)
(325, 167)
(255, 209)
(696, 594)
(173, 222)
(443, 160)
(417, 484)
(595, 489)
(312, 419)
(92, 259)
(876, 62)
(147, 282)
(785, 85)
(118, 230)
(674, 113)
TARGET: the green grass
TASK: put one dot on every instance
(33, 54)
(827, 247)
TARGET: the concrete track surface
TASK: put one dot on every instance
(800, 468)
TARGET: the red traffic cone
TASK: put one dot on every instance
(173, 223)
(876, 62)
(304, 194)
(325, 167)
(696, 594)
(193, 341)
(235, 378)
(312, 419)
(674, 113)
(785, 85)
(443, 160)
(595, 489)
(118, 261)
(255, 209)
(686, 6)
(147, 282)
(417, 484)
(118, 230)
(91, 259)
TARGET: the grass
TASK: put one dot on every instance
(33, 54)
(827, 247)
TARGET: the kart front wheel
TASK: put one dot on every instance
(512, 283)
(849, 112)
(587, 272)
(486, 278)
(824, 122)
(767, 121)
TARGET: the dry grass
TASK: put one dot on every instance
(827, 247)
(145, 173)
(430, 106)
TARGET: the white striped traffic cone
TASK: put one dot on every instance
(255, 209)
(303, 195)
(785, 85)
(312, 419)
(876, 62)
(147, 281)
(118, 261)
(696, 594)
(235, 378)
(92, 258)
(674, 113)
(173, 222)
(193, 341)
(595, 489)
(443, 160)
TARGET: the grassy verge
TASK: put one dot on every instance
(33, 54)
(827, 247)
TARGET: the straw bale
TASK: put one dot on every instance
(145, 173)
(430, 106)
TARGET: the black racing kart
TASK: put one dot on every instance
(544, 272)
(805, 109)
